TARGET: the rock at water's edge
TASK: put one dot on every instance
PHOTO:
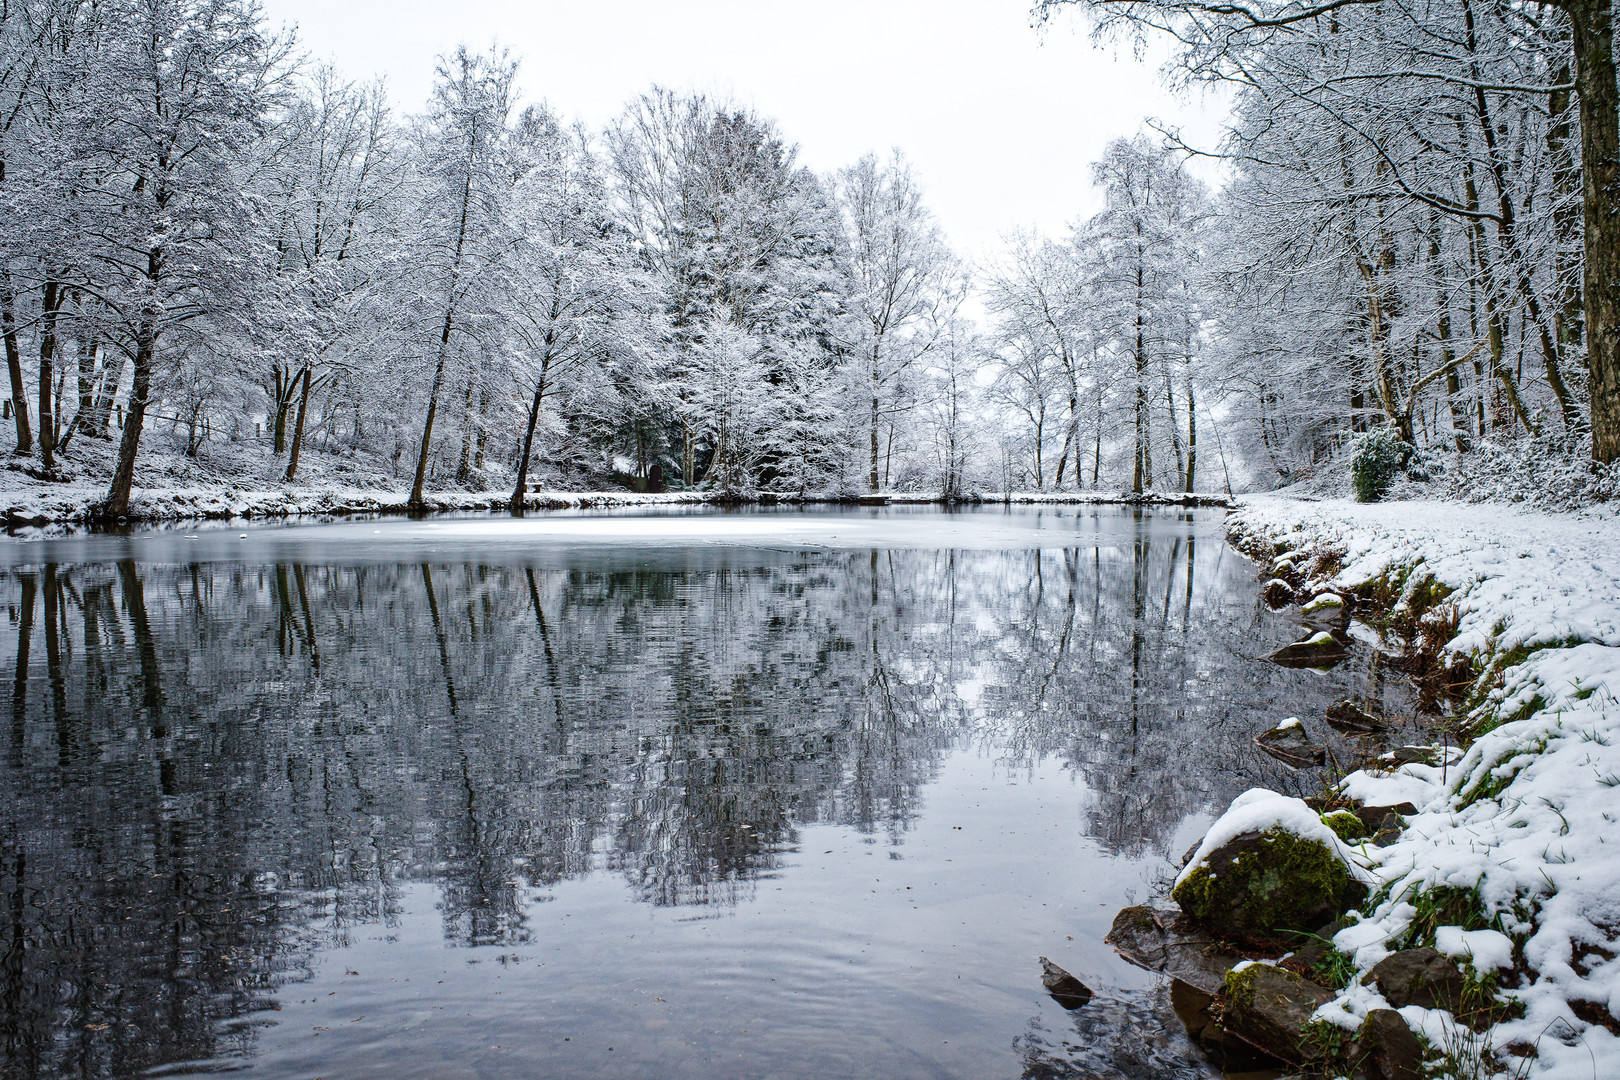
(1277, 593)
(1351, 718)
(1262, 885)
(1065, 989)
(1321, 650)
(1289, 744)
(1270, 1008)
(1163, 939)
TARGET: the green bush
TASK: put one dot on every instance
(1378, 456)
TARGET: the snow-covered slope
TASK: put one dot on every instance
(1528, 822)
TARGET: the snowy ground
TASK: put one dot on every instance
(1529, 818)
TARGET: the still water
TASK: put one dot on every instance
(762, 794)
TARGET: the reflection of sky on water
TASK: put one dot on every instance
(829, 803)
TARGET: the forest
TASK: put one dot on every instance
(224, 264)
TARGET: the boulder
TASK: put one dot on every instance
(1387, 1049)
(1065, 989)
(1320, 650)
(1270, 1008)
(1277, 593)
(1385, 823)
(1289, 744)
(1262, 885)
(1418, 977)
(1165, 940)
(1325, 609)
(1411, 755)
(1352, 719)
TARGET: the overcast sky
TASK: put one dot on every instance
(1000, 120)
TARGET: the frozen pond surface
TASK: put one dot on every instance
(710, 794)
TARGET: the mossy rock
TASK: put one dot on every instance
(1262, 885)
(1347, 825)
(1270, 1008)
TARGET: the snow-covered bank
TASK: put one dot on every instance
(25, 500)
(71, 503)
(1521, 837)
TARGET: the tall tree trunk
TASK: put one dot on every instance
(420, 482)
(283, 383)
(872, 478)
(464, 464)
(19, 393)
(520, 489)
(1592, 26)
(50, 304)
(298, 425)
(1141, 433)
(116, 504)
(86, 411)
(481, 440)
(1192, 440)
(106, 393)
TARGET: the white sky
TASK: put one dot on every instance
(1000, 121)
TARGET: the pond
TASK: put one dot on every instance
(650, 794)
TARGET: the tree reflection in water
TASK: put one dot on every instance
(213, 771)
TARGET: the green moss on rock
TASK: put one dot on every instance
(1347, 825)
(1259, 885)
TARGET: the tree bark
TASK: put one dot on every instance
(116, 504)
(1192, 440)
(19, 393)
(420, 482)
(298, 426)
(521, 488)
(1592, 26)
(50, 303)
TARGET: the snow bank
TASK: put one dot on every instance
(72, 502)
(1528, 820)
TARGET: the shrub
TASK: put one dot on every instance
(1378, 456)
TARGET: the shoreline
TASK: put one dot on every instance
(71, 504)
(1501, 865)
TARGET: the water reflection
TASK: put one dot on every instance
(215, 771)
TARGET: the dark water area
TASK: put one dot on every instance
(791, 794)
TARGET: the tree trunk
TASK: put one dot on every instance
(87, 397)
(420, 482)
(298, 426)
(50, 303)
(117, 501)
(1592, 24)
(464, 465)
(284, 392)
(19, 393)
(872, 479)
(1192, 439)
(521, 488)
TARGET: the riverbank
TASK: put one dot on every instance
(1506, 858)
(26, 500)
